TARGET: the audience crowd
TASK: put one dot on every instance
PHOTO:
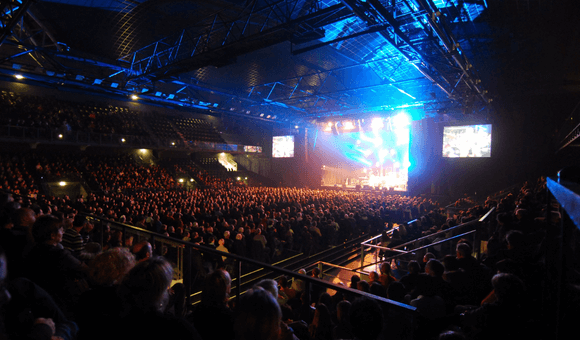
(61, 277)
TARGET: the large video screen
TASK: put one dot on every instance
(372, 153)
(283, 146)
(467, 141)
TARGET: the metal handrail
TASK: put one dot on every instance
(484, 218)
(239, 259)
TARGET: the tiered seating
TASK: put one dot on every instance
(195, 129)
(161, 126)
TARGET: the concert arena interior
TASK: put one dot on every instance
(289, 169)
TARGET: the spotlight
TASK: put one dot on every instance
(18, 76)
(62, 184)
(134, 97)
(401, 120)
(377, 123)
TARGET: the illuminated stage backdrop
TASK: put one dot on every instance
(371, 153)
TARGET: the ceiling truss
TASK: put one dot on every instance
(416, 31)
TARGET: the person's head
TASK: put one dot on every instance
(111, 266)
(354, 280)
(463, 250)
(434, 268)
(376, 288)
(48, 229)
(322, 316)
(362, 285)
(326, 299)
(217, 288)
(373, 276)
(282, 282)
(450, 263)
(366, 318)
(270, 286)
(343, 310)
(515, 239)
(315, 272)
(507, 287)
(413, 267)
(385, 268)
(396, 291)
(145, 287)
(142, 251)
(79, 221)
(24, 217)
(258, 316)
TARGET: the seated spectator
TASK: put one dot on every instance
(286, 291)
(412, 278)
(142, 251)
(396, 292)
(504, 319)
(457, 278)
(54, 268)
(258, 317)
(298, 284)
(478, 275)
(100, 306)
(366, 318)
(386, 277)
(213, 318)
(145, 295)
(73, 241)
(321, 326)
(343, 328)
(363, 286)
(28, 311)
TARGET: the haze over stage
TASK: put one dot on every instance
(372, 152)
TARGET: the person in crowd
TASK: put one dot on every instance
(259, 317)
(386, 277)
(100, 305)
(412, 278)
(366, 319)
(73, 241)
(321, 326)
(54, 268)
(144, 293)
(28, 311)
(506, 317)
(142, 251)
(343, 328)
(213, 317)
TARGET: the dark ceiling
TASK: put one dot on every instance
(298, 61)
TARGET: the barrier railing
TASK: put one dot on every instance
(440, 242)
(183, 254)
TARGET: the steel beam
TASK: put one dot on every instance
(223, 39)
(11, 11)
